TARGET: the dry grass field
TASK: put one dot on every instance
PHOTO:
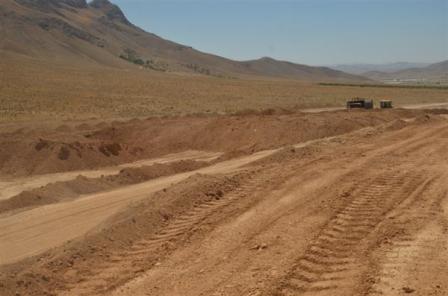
(35, 90)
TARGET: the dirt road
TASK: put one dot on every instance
(14, 186)
(31, 232)
(370, 226)
(441, 105)
(365, 213)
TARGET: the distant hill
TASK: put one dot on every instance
(271, 67)
(98, 33)
(434, 73)
(358, 69)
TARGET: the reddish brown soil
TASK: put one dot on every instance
(68, 190)
(360, 213)
(56, 148)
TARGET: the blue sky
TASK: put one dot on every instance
(315, 32)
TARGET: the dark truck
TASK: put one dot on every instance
(360, 103)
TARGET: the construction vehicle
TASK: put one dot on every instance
(386, 104)
(360, 103)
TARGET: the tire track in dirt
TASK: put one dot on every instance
(35, 231)
(112, 272)
(412, 261)
(412, 257)
(408, 261)
(333, 259)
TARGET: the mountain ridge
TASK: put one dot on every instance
(361, 68)
(98, 32)
(434, 73)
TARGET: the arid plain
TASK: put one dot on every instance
(47, 90)
(133, 165)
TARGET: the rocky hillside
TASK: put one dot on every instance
(98, 33)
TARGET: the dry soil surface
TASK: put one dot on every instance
(357, 213)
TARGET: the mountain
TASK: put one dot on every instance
(98, 33)
(271, 67)
(359, 69)
(434, 73)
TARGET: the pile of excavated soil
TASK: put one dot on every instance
(287, 154)
(278, 221)
(428, 118)
(248, 132)
(61, 191)
(67, 264)
(24, 154)
(30, 150)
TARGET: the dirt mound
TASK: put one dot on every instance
(267, 112)
(28, 155)
(287, 154)
(63, 128)
(428, 118)
(141, 220)
(83, 127)
(232, 154)
(248, 132)
(38, 152)
(350, 207)
(61, 191)
(396, 125)
(437, 111)
(144, 173)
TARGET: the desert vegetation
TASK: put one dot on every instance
(37, 90)
(132, 57)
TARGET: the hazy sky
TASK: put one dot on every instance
(316, 32)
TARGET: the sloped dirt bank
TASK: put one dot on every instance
(68, 190)
(32, 150)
